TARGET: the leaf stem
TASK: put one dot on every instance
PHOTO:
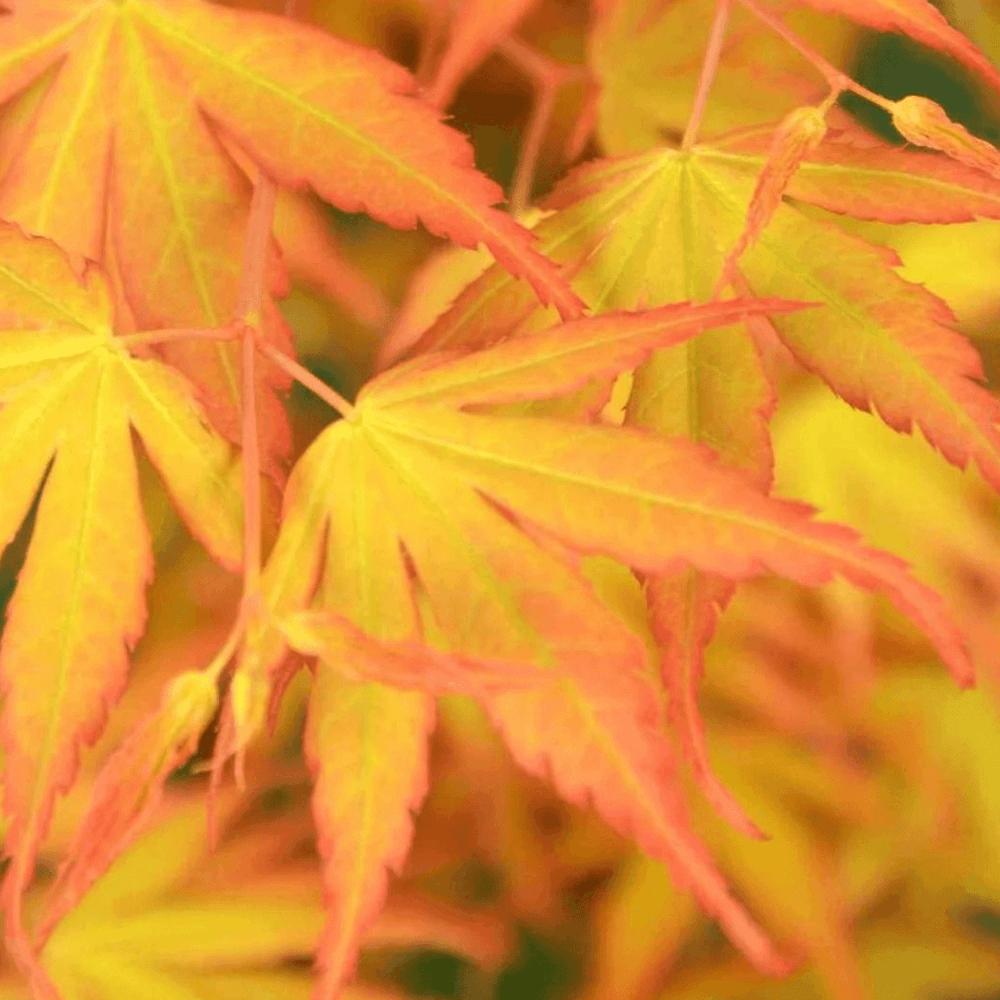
(837, 80)
(255, 247)
(249, 317)
(547, 76)
(538, 122)
(251, 468)
(708, 67)
(329, 395)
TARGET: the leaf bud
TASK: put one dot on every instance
(924, 123)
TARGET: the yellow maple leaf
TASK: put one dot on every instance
(71, 395)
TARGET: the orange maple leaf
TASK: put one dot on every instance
(412, 490)
(121, 158)
(713, 389)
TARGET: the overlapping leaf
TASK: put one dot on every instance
(658, 227)
(70, 396)
(471, 498)
(496, 592)
(123, 137)
(880, 342)
(437, 503)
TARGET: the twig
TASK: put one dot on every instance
(547, 76)
(838, 81)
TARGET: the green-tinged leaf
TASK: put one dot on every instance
(122, 161)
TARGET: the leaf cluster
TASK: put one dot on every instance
(556, 494)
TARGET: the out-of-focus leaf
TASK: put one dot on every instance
(648, 54)
(864, 474)
(639, 928)
(140, 929)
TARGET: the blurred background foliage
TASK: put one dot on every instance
(877, 781)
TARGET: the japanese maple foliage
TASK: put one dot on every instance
(544, 499)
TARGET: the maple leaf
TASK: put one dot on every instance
(453, 488)
(464, 493)
(517, 601)
(672, 217)
(880, 342)
(125, 136)
(71, 395)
